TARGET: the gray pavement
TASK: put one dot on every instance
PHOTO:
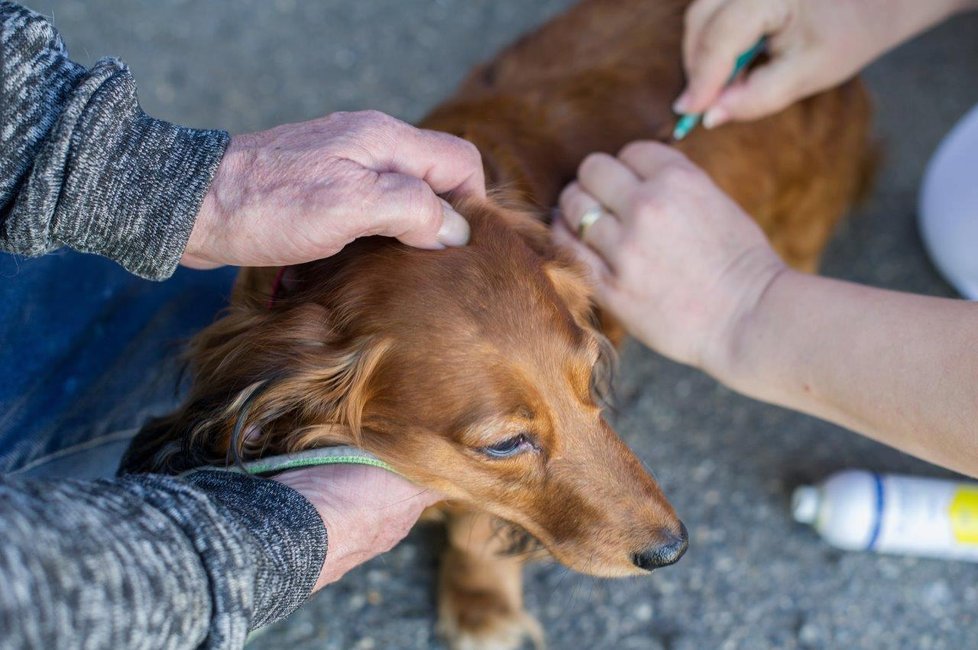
(752, 578)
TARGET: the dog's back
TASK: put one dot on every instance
(606, 73)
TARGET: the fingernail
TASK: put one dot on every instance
(454, 228)
(681, 105)
(715, 117)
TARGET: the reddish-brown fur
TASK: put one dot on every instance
(425, 358)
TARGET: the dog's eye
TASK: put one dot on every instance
(507, 448)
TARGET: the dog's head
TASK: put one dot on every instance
(476, 371)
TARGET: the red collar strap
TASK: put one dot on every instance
(276, 286)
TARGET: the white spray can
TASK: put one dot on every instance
(888, 513)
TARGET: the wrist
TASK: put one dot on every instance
(731, 355)
(338, 557)
(910, 18)
(365, 511)
(195, 253)
(206, 238)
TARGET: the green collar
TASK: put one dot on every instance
(309, 458)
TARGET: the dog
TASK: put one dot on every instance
(481, 371)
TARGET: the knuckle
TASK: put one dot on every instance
(469, 152)
(682, 174)
(781, 13)
(570, 194)
(374, 120)
(648, 156)
(570, 211)
(335, 122)
(578, 203)
(592, 163)
(420, 211)
(459, 149)
(707, 47)
(565, 197)
(651, 199)
(643, 150)
(373, 115)
(469, 148)
(679, 173)
(693, 16)
(339, 116)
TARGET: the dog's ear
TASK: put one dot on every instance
(265, 381)
(573, 288)
(572, 285)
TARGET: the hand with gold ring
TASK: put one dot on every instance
(672, 257)
(589, 218)
(689, 274)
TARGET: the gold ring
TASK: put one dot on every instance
(588, 219)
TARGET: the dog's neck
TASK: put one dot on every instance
(531, 151)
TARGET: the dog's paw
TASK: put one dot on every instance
(485, 621)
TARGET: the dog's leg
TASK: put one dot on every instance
(480, 591)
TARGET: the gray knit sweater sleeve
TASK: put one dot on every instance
(152, 562)
(81, 165)
(142, 561)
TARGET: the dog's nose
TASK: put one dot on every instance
(663, 554)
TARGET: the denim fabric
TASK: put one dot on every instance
(87, 353)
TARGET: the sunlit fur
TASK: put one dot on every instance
(426, 357)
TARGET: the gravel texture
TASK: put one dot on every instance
(752, 578)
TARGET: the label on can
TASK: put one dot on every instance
(964, 515)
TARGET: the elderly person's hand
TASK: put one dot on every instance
(675, 259)
(813, 45)
(366, 510)
(301, 192)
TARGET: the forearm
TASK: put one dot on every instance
(899, 368)
(82, 166)
(892, 22)
(152, 562)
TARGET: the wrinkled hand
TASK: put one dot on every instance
(673, 258)
(301, 192)
(366, 510)
(813, 44)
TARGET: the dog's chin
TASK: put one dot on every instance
(519, 542)
(516, 540)
(598, 569)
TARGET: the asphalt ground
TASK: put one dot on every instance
(752, 578)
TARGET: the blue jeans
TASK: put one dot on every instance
(87, 354)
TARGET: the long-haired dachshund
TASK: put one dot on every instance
(480, 371)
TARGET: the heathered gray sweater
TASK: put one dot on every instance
(140, 562)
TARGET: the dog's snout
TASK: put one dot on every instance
(663, 553)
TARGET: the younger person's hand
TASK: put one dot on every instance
(814, 45)
(674, 259)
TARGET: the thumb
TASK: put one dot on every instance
(768, 89)
(715, 41)
(407, 208)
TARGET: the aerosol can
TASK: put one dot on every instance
(863, 511)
